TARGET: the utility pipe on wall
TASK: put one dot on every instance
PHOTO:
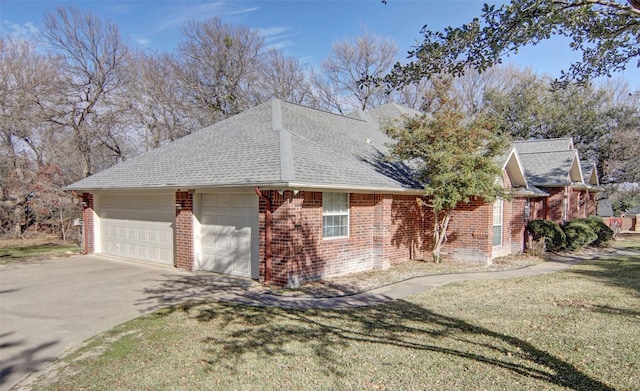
(267, 255)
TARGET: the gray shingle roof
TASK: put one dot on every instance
(276, 143)
(546, 145)
(548, 168)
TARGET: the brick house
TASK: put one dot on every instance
(568, 186)
(286, 194)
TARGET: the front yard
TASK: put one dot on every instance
(576, 329)
(34, 249)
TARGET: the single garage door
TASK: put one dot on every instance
(229, 233)
(138, 226)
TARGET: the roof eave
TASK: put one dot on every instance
(264, 185)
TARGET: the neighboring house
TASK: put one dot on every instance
(288, 194)
(553, 166)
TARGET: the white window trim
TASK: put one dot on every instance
(500, 202)
(324, 213)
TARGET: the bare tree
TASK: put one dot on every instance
(93, 57)
(355, 69)
(220, 65)
(284, 77)
(157, 100)
(27, 83)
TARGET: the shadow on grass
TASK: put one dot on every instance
(172, 289)
(399, 328)
(619, 271)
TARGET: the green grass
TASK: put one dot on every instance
(627, 241)
(14, 253)
(573, 330)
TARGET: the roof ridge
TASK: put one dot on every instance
(319, 110)
(541, 152)
(543, 139)
(287, 167)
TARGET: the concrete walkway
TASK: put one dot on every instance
(48, 307)
(409, 287)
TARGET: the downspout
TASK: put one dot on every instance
(84, 231)
(267, 255)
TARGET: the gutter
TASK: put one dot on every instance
(266, 185)
(268, 253)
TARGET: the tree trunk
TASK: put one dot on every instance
(440, 226)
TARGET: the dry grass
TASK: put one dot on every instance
(573, 330)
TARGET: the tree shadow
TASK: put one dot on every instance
(618, 270)
(246, 331)
(172, 289)
(22, 361)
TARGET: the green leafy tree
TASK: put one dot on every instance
(606, 32)
(456, 159)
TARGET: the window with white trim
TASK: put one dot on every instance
(497, 222)
(335, 215)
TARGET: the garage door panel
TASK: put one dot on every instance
(229, 227)
(139, 227)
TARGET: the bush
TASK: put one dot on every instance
(604, 233)
(578, 234)
(553, 235)
(536, 247)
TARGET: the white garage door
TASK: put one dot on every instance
(139, 226)
(229, 233)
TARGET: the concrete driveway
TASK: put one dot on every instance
(49, 306)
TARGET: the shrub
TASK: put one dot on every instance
(553, 235)
(578, 234)
(536, 247)
(604, 233)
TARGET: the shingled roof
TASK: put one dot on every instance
(274, 144)
(546, 145)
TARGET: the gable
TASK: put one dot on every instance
(514, 170)
(559, 168)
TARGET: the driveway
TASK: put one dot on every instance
(49, 306)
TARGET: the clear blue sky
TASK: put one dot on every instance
(304, 29)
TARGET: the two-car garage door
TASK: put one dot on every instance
(142, 227)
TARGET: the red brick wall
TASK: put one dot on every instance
(555, 204)
(537, 208)
(184, 251)
(590, 204)
(298, 249)
(517, 224)
(88, 223)
(409, 229)
(470, 233)
(384, 229)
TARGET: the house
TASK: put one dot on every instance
(553, 166)
(285, 194)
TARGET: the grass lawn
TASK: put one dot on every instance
(574, 330)
(630, 241)
(29, 251)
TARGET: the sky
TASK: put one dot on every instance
(304, 29)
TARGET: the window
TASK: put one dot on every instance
(497, 223)
(335, 215)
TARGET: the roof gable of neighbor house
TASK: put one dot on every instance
(590, 173)
(276, 143)
(555, 168)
